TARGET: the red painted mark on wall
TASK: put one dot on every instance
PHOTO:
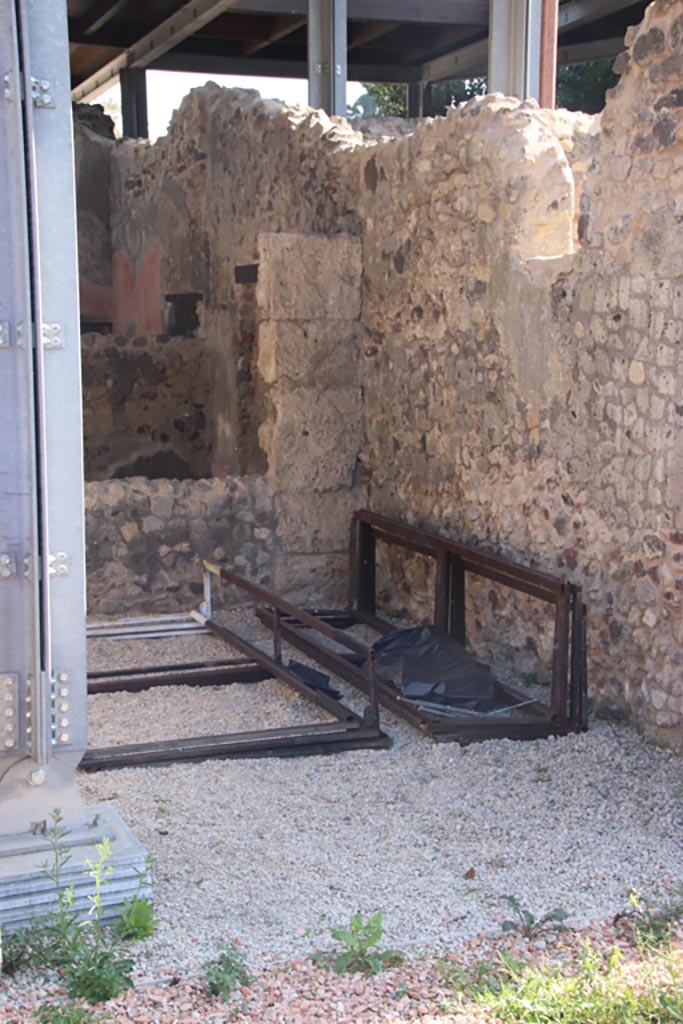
(136, 297)
(97, 301)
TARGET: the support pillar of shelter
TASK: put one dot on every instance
(419, 99)
(43, 714)
(514, 66)
(548, 69)
(133, 85)
(327, 55)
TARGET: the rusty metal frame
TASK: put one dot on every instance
(567, 709)
(348, 731)
(204, 673)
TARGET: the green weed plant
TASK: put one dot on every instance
(529, 925)
(228, 971)
(361, 947)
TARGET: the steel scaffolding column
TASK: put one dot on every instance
(133, 85)
(43, 713)
(419, 96)
(514, 64)
(327, 56)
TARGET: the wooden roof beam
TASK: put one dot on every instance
(96, 17)
(281, 28)
(169, 33)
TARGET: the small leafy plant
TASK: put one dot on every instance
(137, 920)
(15, 951)
(653, 920)
(224, 974)
(82, 951)
(525, 922)
(96, 972)
(599, 991)
(65, 1013)
(361, 940)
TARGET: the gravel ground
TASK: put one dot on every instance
(428, 990)
(274, 852)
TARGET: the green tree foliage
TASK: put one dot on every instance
(583, 86)
(579, 87)
(391, 100)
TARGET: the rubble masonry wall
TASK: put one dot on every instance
(475, 327)
(144, 406)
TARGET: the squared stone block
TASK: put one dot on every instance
(312, 580)
(311, 353)
(314, 438)
(309, 277)
(316, 523)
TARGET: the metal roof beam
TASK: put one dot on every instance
(448, 12)
(470, 61)
(218, 65)
(583, 12)
(169, 33)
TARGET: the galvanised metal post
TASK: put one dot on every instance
(327, 55)
(43, 713)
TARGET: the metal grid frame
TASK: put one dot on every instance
(567, 710)
(349, 731)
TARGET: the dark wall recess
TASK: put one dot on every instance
(182, 317)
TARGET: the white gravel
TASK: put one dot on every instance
(276, 852)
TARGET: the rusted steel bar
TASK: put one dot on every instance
(545, 585)
(475, 732)
(334, 707)
(442, 593)
(325, 738)
(275, 601)
(373, 692)
(381, 625)
(419, 547)
(456, 624)
(539, 722)
(366, 586)
(578, 698)
(337, 664)
(185, 666)
(242, 671)
(277, 636)
(558, 692)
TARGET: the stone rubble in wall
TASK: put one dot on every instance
(519, 330)
(146, 539)
(144, 398)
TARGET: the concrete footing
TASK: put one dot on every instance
(26, 891)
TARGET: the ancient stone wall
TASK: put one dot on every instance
(144, 407)
(187, 211)
(475, 327)
(521, 378)
(146, 539)
(308, 308)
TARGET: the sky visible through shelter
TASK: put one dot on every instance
(166, 89)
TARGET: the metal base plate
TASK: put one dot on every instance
(26, 893)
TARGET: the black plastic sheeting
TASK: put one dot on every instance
(426, 664)
(316, 680)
